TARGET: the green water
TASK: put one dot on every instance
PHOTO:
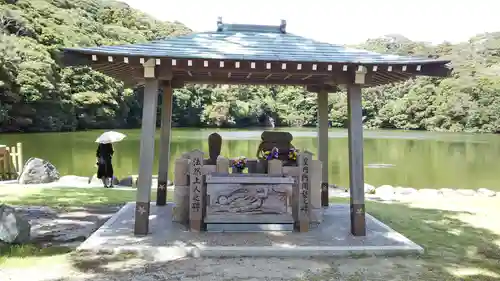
(414, 159)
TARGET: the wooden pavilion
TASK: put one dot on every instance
(250, 54)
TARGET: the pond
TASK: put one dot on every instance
(412, 159)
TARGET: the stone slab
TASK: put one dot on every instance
(234, 200)
(248, 179)
(248, 227)
(243, 218)
(170, 240)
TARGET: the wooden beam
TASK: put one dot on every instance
(322, 88)
(165, 136)
(323, 124)
(244, 81)
(146, 156)
(266, 67)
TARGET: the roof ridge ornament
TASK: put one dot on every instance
(220, 25)
(283, 26)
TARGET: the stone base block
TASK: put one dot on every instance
(248, 227)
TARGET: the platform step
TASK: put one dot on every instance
(249, 227)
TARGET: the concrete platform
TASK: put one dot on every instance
(171, 240)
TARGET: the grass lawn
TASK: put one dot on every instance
(67, 197)
(461, 236)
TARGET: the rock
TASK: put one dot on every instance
(128, 181)
(37, 170)
(75, 180)
(428, 192)
(36, 212)
(132, 181)
(13, 227)
(486, 192)
(466, 192)
(63, 230)
(385, 190)
(369, 188)
(447, 191)
(405, 190)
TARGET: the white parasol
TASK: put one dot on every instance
(110, 137)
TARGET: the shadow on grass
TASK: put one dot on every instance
(73, 197)
(31, 251)
(455, 250)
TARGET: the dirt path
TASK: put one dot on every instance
(272, 269)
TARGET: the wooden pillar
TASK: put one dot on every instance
(146, 150)
(323, 143)
(166, 127)
(356, 172)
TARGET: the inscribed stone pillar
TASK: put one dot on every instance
(304, 164)
(144, 181)
(196, 194)
(356, 172)
(323, 143)
(166, 127)
(316, 210)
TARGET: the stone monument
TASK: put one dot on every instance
(253, 201)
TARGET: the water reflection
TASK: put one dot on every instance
(416, 159)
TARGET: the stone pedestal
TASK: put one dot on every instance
(275, 167)
(180, 212)
(222, 165)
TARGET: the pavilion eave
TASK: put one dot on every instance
(213, 71)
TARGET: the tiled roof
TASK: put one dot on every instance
(251, 42)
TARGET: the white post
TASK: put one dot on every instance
(148, 129)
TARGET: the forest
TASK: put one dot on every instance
(38, 94)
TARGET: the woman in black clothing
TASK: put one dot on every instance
(104, 156)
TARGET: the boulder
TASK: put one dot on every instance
(14, 229)
(128, 181)
(37, 170)
(132, 181)
(448, 192)
(369, 188)
(385, 190)
(486, 192)
(429, 192)
(405, 190)
(466, 192)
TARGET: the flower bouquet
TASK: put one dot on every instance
(270, 155)
(239, 164)
(292, 154)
